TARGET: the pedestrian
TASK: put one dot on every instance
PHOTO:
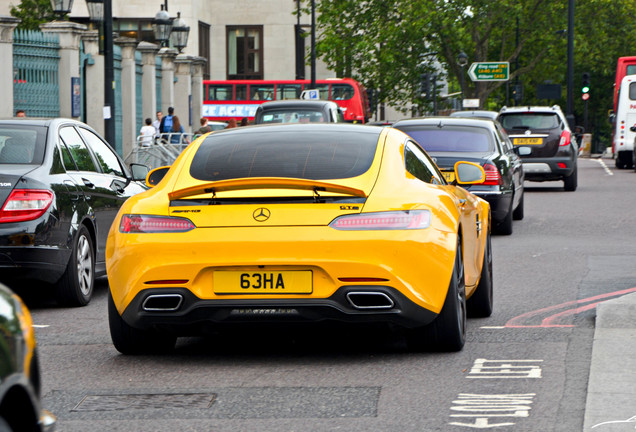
(177, 136)
(147, 133)
(245, 121)
(231, 123)
(205, 127)
(20, 113)
(157, 123)
(165, 126)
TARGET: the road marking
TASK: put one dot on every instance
(553, 320)
(484, 408)
(40, 325)
(483, 368)
(605, 167)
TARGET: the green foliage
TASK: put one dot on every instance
(33, 13)
(383, 43)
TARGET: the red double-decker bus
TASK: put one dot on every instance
(223, 100)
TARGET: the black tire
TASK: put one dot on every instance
(480, 304)
(129, 340)
(448, 331)
(571, 182)
(76, 286)
(517, 214)
(618, 162)
(504, 227)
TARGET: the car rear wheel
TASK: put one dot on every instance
(517, 214)
(75, 288)
(130, 340)
(448, 331)
(571, 182)
(480, 303)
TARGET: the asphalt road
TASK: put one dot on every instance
(525, 368)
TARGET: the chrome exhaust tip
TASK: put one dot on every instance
(162, 302)
(369, 300)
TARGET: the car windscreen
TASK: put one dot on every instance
(529, 121)
(22, 144)
(452, 138)
(310, 154)
(293, 116)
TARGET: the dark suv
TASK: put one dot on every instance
(553, 148)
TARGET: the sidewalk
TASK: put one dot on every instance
(611, 391)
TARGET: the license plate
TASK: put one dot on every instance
(528, 141)
(263, 282)
(449, 176)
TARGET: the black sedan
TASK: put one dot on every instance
(61, 186)
(449, 140)
(20, 383)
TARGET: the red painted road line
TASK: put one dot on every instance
(517, 322)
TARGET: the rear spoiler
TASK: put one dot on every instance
(265, 183)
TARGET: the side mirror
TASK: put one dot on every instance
(139, 171)
(469, 173)
(156, 175)
(611, 116)
(633, 128)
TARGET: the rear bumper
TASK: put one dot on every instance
(193, 315)
(499, 203)
(548, 169)
(46, 264)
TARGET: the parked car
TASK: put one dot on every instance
(61, 185)
(545, 132)
(449, 140)
(20, 382)
(483, 114)
(294, 223)
(298, 111)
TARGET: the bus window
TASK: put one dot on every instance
(262, 92)
(241, 92)
(288, 91)
(341, 92)
(324, 91)
(632, 91)
(631, 70)
(220, 92)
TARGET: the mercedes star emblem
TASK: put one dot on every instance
(261, 214)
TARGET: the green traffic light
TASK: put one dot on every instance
(585, 89)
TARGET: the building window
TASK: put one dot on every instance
(204, 47)
(245, 52)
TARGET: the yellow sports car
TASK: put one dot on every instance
(307, 222)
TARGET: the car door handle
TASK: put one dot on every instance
(88, 183)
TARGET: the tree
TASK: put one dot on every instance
(33, 13)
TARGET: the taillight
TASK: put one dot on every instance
(396, 220)
(25, 205)
(154, 224)
(566, 137)
(493, 178)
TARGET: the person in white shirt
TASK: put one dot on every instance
(147, 133)
(157, 122)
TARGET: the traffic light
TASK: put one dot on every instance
(585, 85)
(425, 84)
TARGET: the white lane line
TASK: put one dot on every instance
(40, 325)
(605, 167)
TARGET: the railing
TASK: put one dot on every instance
(161, 150)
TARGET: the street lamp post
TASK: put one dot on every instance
(102, 11)
(462, 61)
(180, 32)
(162, 26)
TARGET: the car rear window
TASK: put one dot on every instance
(310, 154)
(22, 144)
(452, 139)
(293, 116)
(529, 121)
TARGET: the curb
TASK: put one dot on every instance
(611, 391)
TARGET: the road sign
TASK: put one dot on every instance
(489, 71)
